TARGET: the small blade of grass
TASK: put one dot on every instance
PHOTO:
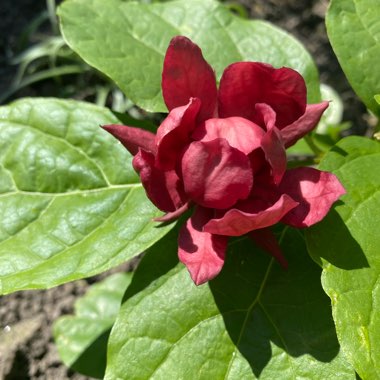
(42, 75)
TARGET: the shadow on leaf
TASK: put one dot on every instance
(157, 261)
(268, 316)
(93, 360)
(333, 242)
(267, 310)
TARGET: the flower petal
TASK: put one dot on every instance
(169, 216)
(266, 240)
(307, 122)
(274, 150)
(315, 191)
(240, 133)
(250, 216)
(187, 74)
(174, 133)
(245, 84)
(163, 188)
(201, 252)
(258, 162)
(215, 174)
(132, 138)
(265, 116)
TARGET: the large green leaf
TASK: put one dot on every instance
(255, 320)
(70, 204)
(353, 28)
(82, 338)
(347, 244)
(127, 41)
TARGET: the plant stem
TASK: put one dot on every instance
(309, 141)
(50, 4)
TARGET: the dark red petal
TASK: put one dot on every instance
(132, 138)
(315, 191)
(245, 84)
(275, 154)
(307, 122)
(250, 216)
(216, 175)
(174, 134)
(169, 216)
(240, 133)
(186, 75)
(163, 188)
(265, 116)
(258, 162)
(201, 252)
(266, 240)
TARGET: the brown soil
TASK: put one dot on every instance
(26, 345)
(27, 349)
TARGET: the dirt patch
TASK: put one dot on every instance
(26, 345)
(27, 349)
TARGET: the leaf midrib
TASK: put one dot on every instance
(65, 142)
(62, 252)
(255, 302)
(248, 313)
(71, 193)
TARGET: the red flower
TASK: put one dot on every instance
(224, 152)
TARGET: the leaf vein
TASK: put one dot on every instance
(65, 142)
(62, 252)
(71, 193)
(174, 344)
(38, 217)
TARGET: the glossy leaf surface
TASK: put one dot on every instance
(71, 205)
(346, 244)
(127, 41)
(255, 320)
(353, 28)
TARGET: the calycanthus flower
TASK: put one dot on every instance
(223, 152)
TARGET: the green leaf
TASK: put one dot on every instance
(347, 245)
(255, 320)
(353, 30)
(301, 147)
(71, 205)
(377, 98)
(82, 338)
(127, 41)
(334, 113)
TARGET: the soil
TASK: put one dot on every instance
(27, 316)
(27, 349)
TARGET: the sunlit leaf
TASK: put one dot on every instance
(71, 205)
(127, 41)
(353, 28)
(347, 245)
